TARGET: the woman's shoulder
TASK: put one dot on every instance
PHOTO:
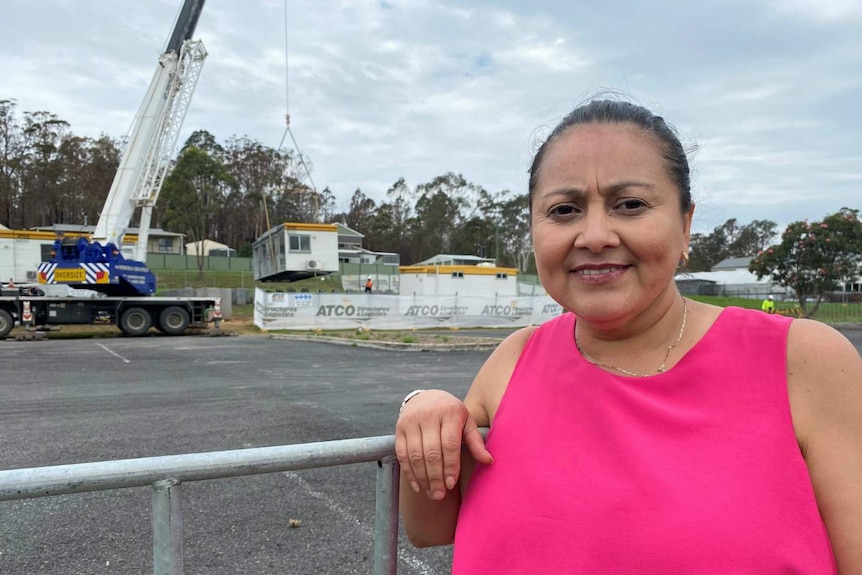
(491, 381)
(815, 343)
(732, 319)
(823, 370)
(512, 346)
(517, 340)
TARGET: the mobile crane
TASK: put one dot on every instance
(126, 284)
(99, 264)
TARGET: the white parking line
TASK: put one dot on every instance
(417, 564)
(114, 353)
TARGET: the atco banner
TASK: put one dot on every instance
(300, 311)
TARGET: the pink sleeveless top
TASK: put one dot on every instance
(693, 471)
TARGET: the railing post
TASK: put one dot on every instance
(167, 528)
(386, 517)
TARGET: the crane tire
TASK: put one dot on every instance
(6, 323)
(173, 320)
(136, 321)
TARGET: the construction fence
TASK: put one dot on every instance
(330, 311)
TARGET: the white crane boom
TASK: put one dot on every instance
(153, 137)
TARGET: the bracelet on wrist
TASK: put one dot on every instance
(408, 397)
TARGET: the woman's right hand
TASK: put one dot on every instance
(428, 437)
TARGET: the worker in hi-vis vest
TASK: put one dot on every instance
(768, 305)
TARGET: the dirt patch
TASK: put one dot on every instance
(394, 337)
(241, 325)
(66, 332)
(244, 325)
(235, 326)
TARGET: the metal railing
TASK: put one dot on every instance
(166, 474)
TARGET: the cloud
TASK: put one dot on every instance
(821, 10)
(379, 90)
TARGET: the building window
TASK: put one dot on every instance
(502, 276)
(300, 243)
(166, 244)
(459, 275)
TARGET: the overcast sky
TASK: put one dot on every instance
(770, 91)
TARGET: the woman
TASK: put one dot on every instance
(641, 432)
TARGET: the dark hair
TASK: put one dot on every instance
(617, 112)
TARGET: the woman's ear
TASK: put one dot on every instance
(687, 219)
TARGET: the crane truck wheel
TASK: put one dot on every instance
(136, 321)
(173, 320)
(6, 323)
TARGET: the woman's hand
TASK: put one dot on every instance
(428, 437)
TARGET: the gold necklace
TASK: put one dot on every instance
(661, 368)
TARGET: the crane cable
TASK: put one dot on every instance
(287, 130)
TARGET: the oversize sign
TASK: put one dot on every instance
(70, 275)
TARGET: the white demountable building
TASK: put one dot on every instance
(447, 274)
(293, 251)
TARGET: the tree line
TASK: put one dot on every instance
(234, 191)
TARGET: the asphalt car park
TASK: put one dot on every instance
(73, 401)
(854, 334)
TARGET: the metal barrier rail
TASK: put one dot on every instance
(166, 475)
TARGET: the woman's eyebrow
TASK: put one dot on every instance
(617, 187)
(568, 193)
(574, 192)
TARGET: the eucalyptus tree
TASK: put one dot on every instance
(360, 214)
(257, 170)
(194, 194)
(12, 155)
(729, 240)
(513, 232)
(41, 167)
(437, 218)
(400, 199)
